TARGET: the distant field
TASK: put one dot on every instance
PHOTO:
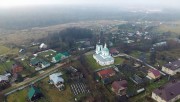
(172, 28)
(26, 35)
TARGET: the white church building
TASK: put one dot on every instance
(102, 55)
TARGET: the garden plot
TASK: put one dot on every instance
(79, 88)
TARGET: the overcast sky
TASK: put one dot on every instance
(124, 3)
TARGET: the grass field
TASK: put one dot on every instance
(6, 66)
(94, 65)
(20, 96)
(48, 55)
(3, 49)
(92, 62)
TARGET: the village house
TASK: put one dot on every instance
(160, 44)
(119, 87)
(154, 74)
(106, 74)
(59, 57)
(3, 79)
(172, 68)
(168, 93)
(57, 80)
(114, 52)
(43, 46)
(39, 63)
(34, 94)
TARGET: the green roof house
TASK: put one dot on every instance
(34, 93)
(37, 62)
(58, 58)
(34, 61)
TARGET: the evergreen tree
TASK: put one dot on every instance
(152, 56)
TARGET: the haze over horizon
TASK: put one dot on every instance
(151, 4)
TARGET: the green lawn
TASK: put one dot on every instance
(47, 55)
(155, 85)
(94, 65)
(6, 66)
(136, 54)
(6, 50)
(118, 60)
(3, 49)
(19, 96)
(92, 62)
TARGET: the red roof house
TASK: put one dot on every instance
(154, 74)
(106, 73)
(16, 68)
(114, 51)
(119, 87)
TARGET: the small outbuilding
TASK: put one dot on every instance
(34, 94)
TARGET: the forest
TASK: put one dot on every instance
(65, 39)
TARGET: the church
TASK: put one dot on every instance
(102, 55)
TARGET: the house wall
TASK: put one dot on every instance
(122, 91)
(157, 98)
(169, 71)
(152, 75)
(53, 60)
(175, 99)
(44, 66)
